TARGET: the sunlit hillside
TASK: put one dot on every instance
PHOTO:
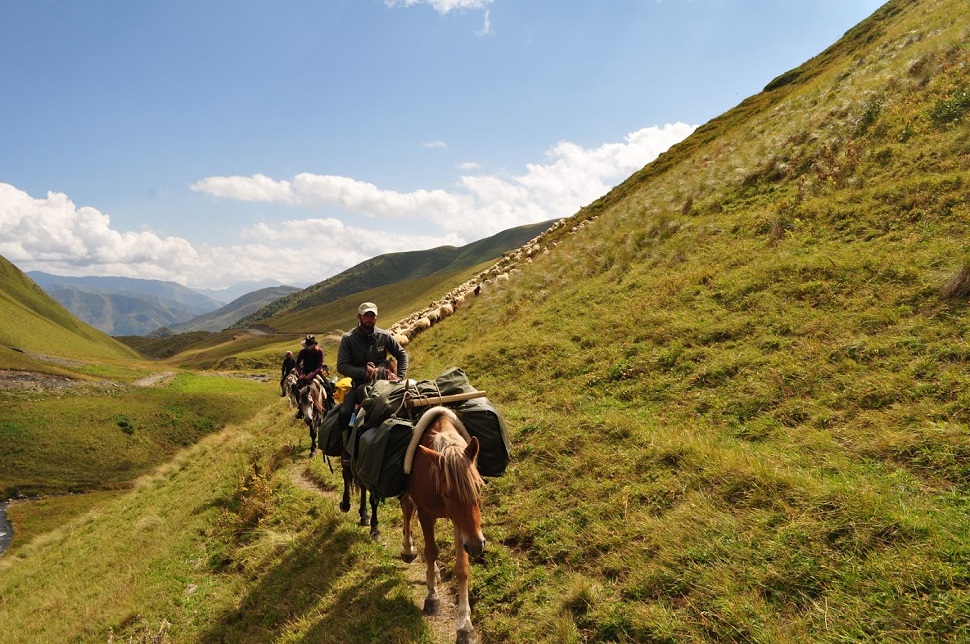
(388, 271)
(33, 327)
(741, 392)
(738, 392)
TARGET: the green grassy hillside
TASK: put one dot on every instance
(741, 392)
(35, 325)
(392, 270)
(248, 349)
(738, 396)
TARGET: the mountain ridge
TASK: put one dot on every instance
(395, 267)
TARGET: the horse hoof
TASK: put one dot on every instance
(431, 606)
(312, 452)
(408, 558)
(345, 506)
(466, 637)
(364, 521)
(375, 535)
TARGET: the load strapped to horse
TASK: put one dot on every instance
(429, 443)
(383, 430)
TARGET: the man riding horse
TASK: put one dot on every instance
(309, 364)
(289, 362)
(364, 356)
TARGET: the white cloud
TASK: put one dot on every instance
(434, 144)
(54, 230)
(486, 29)
(468, 165)
(52, 234)
(480, 205)
(444, 6)
(55, 236)
(441, 6)
(255, 188)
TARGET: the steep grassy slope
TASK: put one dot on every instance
(31, 321)
(741, 393)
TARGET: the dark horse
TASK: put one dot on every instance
(350, 481)
(444, 483)
(315, 402)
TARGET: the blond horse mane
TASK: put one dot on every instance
(450, 442)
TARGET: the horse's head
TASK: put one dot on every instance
(305, 402)
(460, 487)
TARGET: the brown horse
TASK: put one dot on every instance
(444, 483)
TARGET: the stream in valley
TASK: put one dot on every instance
(6, 531)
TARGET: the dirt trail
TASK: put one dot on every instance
(154, 379)
(442, 625)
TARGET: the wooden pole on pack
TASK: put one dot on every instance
(441, 400)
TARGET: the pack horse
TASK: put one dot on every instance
(444, 483)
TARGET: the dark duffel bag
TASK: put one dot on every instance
(453, 381)
(379, 457)
(483, 421)
(329, 437)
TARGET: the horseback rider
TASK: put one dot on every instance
(364, 356)
(289, 362)
(309, 364)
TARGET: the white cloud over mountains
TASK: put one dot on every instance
(54, 235)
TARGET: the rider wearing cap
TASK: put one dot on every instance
(364, 356)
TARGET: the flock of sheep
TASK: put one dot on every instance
(501, 271)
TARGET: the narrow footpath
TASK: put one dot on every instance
(442, 625)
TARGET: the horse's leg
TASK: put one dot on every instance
(431, 602)
(362, 508)
(466, 632)
(408, 551)
(375, 531)
(348, 482)
(313, 437)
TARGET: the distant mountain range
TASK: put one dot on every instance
(236, 291)
(123, 306)
(239, 308)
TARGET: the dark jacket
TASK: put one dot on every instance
(288, 363)
(357, 349)
(309, 359)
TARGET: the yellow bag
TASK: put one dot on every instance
(341, 388)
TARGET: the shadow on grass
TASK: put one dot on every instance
(311, 584)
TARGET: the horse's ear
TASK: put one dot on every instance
(436, 457)
(471, 452)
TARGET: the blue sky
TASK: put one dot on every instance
(212, 142)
